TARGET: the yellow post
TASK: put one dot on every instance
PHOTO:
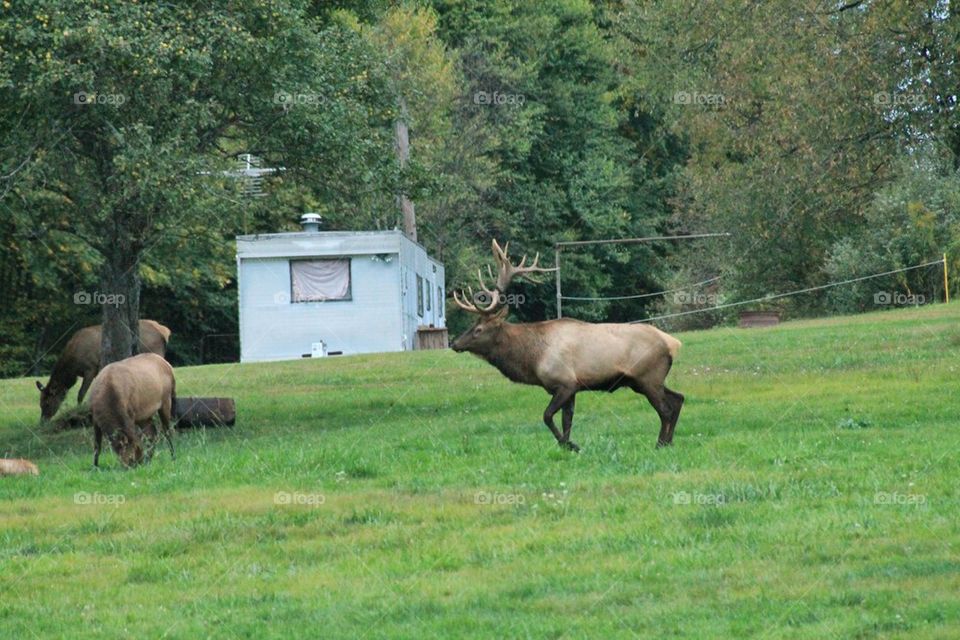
(946, 280)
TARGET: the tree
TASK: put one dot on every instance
(421, 78)
(543, 92)
(912, 220)
(123, 118)
(794, 117)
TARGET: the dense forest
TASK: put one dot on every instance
(824, 137)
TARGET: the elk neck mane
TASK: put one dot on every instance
(517, 351)
(64, 373)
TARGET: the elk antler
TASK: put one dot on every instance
(489, 299)
(508, 271)
(470, 304)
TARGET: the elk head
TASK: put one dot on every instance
(51, 397)
(489, 304)
(129, 452)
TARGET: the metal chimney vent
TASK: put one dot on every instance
(311, 222)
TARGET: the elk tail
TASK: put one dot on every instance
(673, 345)
(163, 331)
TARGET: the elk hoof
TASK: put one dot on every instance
(571, 446)
(661, 444)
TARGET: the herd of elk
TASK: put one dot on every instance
(563, 356)
(124, 395)
(81, 359)
(567, 356)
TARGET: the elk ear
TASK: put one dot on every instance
(39, 386)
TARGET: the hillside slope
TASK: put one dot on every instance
(811, 492)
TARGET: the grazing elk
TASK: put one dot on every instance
(567, 356)
(124, 397)
(81, 359)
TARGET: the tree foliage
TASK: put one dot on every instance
(823, 136)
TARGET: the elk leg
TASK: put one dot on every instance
(87, 380)
(150, 440)
(97, 442)
(560, 399)
(568, 422)
(659, 399)
(676, 401)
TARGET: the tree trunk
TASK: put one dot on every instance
(402, 136)
(119, 297)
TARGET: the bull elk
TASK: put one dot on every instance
(567, 356)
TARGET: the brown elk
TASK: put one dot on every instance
(124, 397)
(567, 356)
(81, 359)
(17, 467)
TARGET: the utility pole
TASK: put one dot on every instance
(402, 136)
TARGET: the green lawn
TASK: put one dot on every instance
(811, 492)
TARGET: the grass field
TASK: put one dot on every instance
(811, 492)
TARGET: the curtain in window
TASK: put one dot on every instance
(317, 280)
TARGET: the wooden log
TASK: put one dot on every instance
(188, 412)
(204, 412)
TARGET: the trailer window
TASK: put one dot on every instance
(420, 296)
(320, 280)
